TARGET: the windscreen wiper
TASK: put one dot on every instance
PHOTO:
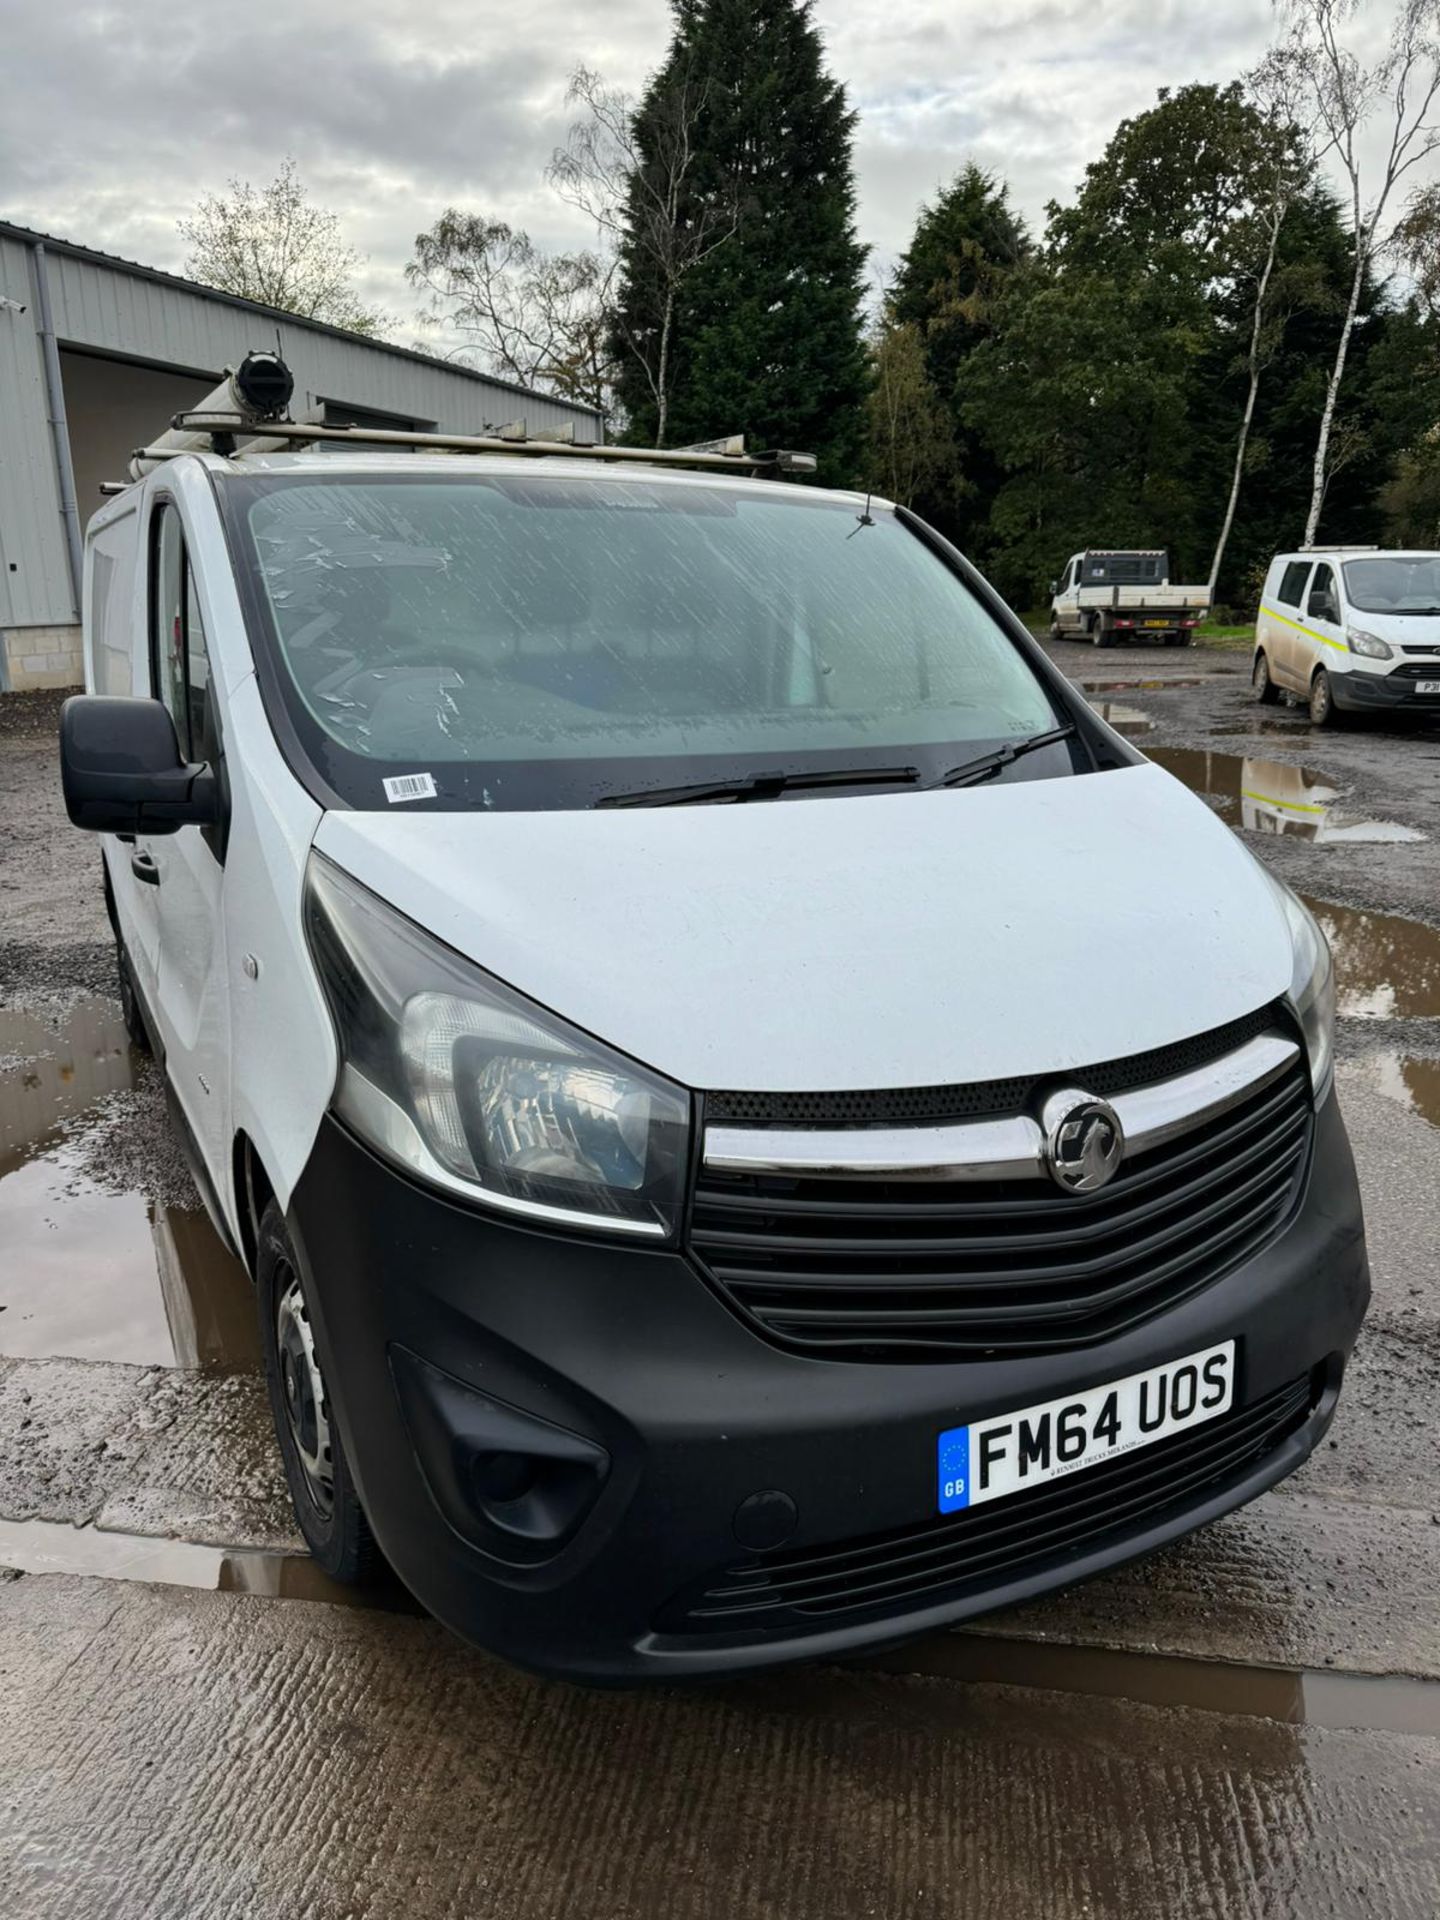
(761, 786)
(981, 768)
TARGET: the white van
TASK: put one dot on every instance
(759, 1124)
(1350, 630)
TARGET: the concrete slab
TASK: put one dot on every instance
(142, 1450)
(177, 1754)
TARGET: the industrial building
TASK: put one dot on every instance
(97, 353)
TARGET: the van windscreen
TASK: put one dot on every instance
(1394, 583)
(543, 641)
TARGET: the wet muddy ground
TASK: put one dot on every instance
(192, 1722)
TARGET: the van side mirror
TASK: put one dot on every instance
(1323, 606)
(121, 771)
(1054, 588)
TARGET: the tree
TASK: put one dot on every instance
(1084, 391)
(1310, 292)
(271, 245)
(1416, 244)
(947, 286)
(634, 180)
(912, 446)
(1345, 94)
(1197, 188)
(1175, 190)
(1285, 167)
(949, 275)
(764, 332)
(539, 319)
(1412, 498)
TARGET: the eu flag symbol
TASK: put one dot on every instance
(954, 1463)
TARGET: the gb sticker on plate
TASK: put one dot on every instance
(409, 786)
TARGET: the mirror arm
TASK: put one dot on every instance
(192, 798)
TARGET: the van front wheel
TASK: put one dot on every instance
(326, 1504)
(1322, 701)
(1261, 685)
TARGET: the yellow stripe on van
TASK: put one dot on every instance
(1285, 806)
(1338, 645)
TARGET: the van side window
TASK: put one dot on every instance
(1292, 583)
(1323, 583)
(180, 658)
(167, 632)
(204, 733)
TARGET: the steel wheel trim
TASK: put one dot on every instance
(302, 1388)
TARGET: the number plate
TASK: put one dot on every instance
(1157, 623)
(1013, 1451)
(1427, 686)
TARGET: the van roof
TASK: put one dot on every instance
(329, 463)
(1356, 553)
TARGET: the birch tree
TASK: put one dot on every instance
(633, 176)
(1273, 87)
(540, 319)
(1399, 90)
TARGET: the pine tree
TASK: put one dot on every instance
(948, 284)
(949, 275)
(765, 333)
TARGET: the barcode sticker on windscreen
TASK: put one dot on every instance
(409, 786)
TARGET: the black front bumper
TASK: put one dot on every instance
(651, 1417)
(1391, 692)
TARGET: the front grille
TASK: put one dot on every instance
(868, 1268)
(990, 1547)
(916, 1106)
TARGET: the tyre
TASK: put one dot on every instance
(1322, 701)
(1057, 632)
(326, 1504)
(130, 1000)
(1100, 634)
(1184, 638)
(125, 979)
(1261, 685)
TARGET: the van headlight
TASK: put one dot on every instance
(1312, 988)
(1368, 644)
(460, 1080)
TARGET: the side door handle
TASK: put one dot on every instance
(144, 867)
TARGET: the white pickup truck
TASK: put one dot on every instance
(1107, 594)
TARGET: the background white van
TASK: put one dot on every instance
(1350, 630)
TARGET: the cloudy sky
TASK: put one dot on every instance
(116, 116)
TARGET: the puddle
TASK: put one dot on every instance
(1272, 796)
(1411, 1081)
(92, 1270)
(1387, 967)
(1385, 1703)
(49, 1546)
(1126, 720)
